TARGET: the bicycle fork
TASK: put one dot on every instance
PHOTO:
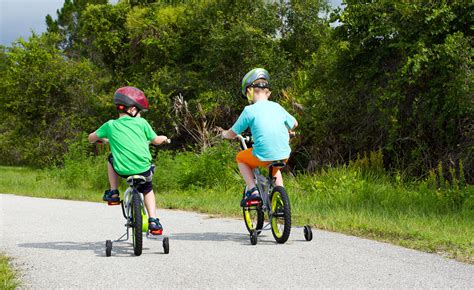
(127, 214)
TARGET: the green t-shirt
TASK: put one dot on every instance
(129, 140)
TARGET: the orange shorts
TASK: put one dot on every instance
(246, 157)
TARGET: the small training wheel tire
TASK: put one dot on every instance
(166, 245)
(108, 248)
(308, 233)
(253, 237)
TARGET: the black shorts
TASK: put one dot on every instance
(143, 188)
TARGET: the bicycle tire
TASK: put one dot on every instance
(281, 215)
(253, 217)
(108, 248)
(137, 221)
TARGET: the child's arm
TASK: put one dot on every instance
(228, 134)
(158, 140)
(294, 127)
(290, 121)
(93, 137)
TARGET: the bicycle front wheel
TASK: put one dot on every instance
(281, 215)
(137, 224)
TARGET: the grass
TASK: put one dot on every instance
(339, 199)
(8, 278)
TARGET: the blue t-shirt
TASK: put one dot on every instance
(269, 123)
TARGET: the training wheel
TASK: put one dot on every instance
(253, 237)
(308, 233)
(108, 248)
(166, 245)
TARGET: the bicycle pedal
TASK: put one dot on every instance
(113, 202)
(156, 232)
(252, 203)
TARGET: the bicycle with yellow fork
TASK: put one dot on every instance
(274, 202)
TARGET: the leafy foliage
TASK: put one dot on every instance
(46, 99)
(388, 75)
(401, 80)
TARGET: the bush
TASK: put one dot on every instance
(83, 169)
(214, 167)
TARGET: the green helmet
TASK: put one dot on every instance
(252, 76)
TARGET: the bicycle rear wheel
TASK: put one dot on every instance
(281, 215)
(137, 224)
(253, 218)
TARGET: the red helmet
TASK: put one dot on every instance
(131, 96)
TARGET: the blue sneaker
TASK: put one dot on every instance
(111, 196)
(252, 197)
(154, 226)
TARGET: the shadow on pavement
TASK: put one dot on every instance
(241, 238)
(119, 248)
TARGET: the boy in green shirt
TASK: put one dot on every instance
(129, 137)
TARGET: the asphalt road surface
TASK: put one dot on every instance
(61, 244)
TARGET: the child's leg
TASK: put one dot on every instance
(113, 177)
(279, 178)
(247, 174)
(154, 224)
(247, 162)
(150, 204)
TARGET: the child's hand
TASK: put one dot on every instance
(164, 139)
(160, 140)
(292, 134)
(220, 131)
(228, 134)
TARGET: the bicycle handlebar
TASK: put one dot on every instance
(243, 140)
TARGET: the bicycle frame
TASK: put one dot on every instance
(127, 209)
(264, 184)
(275, 202)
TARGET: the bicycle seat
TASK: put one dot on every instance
(136, 179)
(277, 164)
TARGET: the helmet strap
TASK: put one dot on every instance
(137, 111)
(124, 109)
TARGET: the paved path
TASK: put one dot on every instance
(61, 244)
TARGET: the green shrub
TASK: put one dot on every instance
(214, 167)
(81, 168)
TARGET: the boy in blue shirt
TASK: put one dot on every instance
(269, 124)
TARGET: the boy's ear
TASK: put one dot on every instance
(250, 94)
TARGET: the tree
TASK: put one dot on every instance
(47, 100)
(67, 23)
(401, 80)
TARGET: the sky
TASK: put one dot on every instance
(18, 18)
